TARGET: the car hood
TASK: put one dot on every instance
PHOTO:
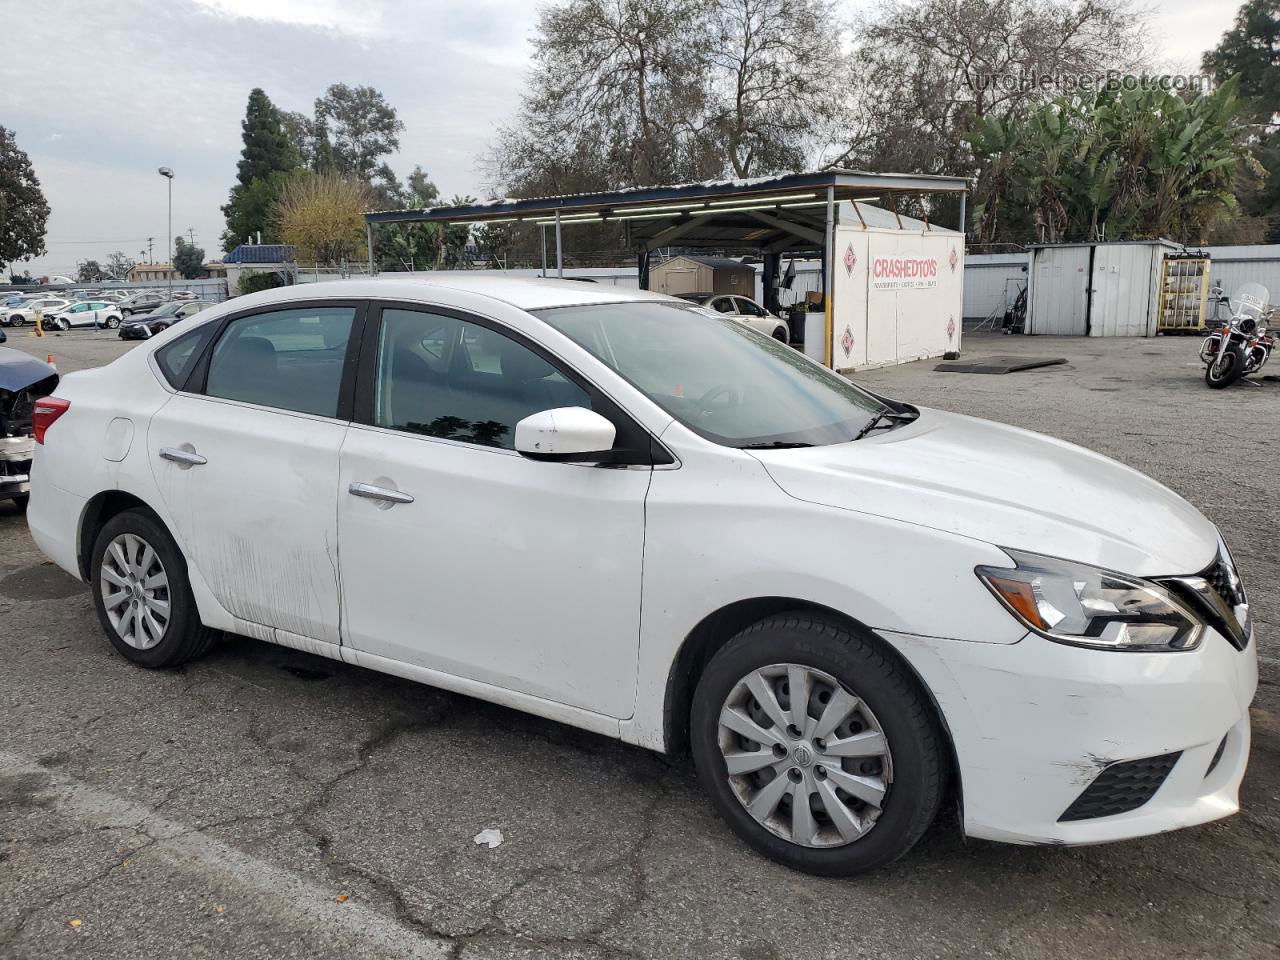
(1006, 486)
(18, 371)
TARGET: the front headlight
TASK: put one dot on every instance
(1091, 607)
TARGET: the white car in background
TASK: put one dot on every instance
(88, 313)
(617, 510)
(744, 310)
(21, 316)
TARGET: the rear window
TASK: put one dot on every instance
(176, 360)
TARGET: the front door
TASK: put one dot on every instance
(247, 463)
(460, 555)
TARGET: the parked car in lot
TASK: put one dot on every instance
(23, 379)
(25, 314)
(744, 310)
(182, 295)
(144, 301)
(89, 313)
(149, 324)
(617, 510)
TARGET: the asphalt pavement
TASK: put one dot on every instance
(263, 803)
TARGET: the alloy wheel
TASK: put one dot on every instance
(804, 755)
(135, 591)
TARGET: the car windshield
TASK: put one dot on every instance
(719, 378)
(167, 310)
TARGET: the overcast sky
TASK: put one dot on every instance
(101, 95)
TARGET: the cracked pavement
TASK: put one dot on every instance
(224, 809)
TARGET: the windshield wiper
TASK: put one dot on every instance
(894, 418)
(776, 445)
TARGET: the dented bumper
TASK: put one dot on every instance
(15, 465)
(1036, 723)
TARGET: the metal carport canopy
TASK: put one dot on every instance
(775, 214)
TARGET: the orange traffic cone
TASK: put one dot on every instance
(50, 362)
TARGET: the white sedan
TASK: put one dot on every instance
(612, 509)
(744, 310)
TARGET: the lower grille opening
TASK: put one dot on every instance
(1217, 756)
(1121, 787)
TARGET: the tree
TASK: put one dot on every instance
(417, 246)
(1120, 164)
(249, 211)
(267, 147)
(616, 98)
(89, 271)
(23, 209)
(928, 72)
(777, 70)
(322, 215)
(359, 127)
(266, 160)
(1251, 51)
(188, 259)
(118, 265)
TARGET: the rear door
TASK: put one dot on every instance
(246, 458)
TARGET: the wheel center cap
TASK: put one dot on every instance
(802, 754)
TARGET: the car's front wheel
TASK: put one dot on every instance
(142, 593)
(816, 746)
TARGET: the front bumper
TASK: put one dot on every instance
(15, 466)
(1034, 724)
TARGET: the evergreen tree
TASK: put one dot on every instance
(267, 148)
(268, 158)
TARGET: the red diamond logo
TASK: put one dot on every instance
(850, 261)
(846, 342)
(951, 321)
(953, 259)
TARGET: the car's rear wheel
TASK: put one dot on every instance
(112, 322)
(817, 747)
(142, 593)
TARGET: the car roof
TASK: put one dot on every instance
(527, 293)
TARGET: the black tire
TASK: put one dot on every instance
(185, 637)
(112, 322)
(21, 500)
(64, 325)
(780, 335)
(1232, 370)
(907, 720)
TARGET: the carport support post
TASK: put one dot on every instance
(542, 231)
(963, 196)
(828, 274)
(559, 248)
(642, 269)
(368, 240)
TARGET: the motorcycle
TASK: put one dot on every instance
(1240, 346)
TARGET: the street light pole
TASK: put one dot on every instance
(168, 175)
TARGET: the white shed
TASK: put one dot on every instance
(1098, 289)
(898, 289)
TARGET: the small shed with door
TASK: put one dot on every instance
(689, 274)
(1125, 289)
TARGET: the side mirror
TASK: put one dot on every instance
(566, 433)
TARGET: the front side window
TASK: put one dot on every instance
(718, 377)
(289, 359)
(444, 377)
(749, 307)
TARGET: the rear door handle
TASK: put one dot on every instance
(188, 457)
(373, 492)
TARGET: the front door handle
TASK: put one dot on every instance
(385, 494)
(188, 457)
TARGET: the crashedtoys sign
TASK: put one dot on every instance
(904, 273)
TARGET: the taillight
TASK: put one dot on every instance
(44, 413)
